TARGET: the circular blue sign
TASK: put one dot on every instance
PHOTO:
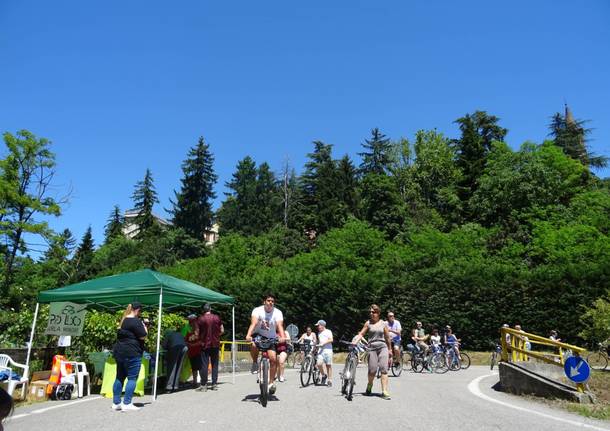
(577, 369)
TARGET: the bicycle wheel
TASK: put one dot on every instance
(352, 378)
(264, 385)
(305, 373)
(464, 361)
(492, 362)
(453, 361)
(438, 363)
(315, 371)
(597, 360)
(397, 367)
(417, 364)
(345, 375)
(406, 361)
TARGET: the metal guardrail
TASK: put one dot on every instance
(515, 348)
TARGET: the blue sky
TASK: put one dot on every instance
(123, 86)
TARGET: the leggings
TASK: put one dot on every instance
(378, 358)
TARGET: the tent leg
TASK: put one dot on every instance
(233, 346)
(158, 344)
(27, 361)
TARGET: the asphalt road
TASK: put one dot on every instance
(463, 400)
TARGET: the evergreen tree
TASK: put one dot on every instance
(478, 131)
(144, 198)
(114, 226)
(83, 257)
(319, 191)
(60, 247)
(382, 205)
(267, 203)
(289, 195)
(239, 212)
(192, 210)
(347, 187)
(377, 158)
(571, 136)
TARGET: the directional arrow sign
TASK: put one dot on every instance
(577, 369)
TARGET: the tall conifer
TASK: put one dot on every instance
(144, 198)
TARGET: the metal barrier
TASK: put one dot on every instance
(240, 351)
(515, 349)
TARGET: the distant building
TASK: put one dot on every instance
(130, 228)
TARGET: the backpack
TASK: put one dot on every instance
(63, 391)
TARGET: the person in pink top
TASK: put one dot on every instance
(210, 330)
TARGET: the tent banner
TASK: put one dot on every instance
(66, 318)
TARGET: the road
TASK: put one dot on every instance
(462, 400)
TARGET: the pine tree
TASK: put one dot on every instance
(571, 136)
(60, 247)
(238, 211)
(347, 190)
(267, 203)
(192, 209)
(83, 256)
(144, 198)
(114, 226)
(378, 158)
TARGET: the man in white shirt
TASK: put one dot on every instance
(395, 330)
(325, 352)
(266, 321)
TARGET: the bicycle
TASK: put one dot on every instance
(264, 345)
(348, 375)
(432, 360)
(309, 369)
(598, 360)
(495, 356)
(456, 362)
(396, 364)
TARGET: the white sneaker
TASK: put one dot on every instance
(116, 407)
(282, 379)
(129, 408)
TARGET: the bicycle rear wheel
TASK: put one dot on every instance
(305, 373)
(464, 361)
(597, 361)
(264, 382)
(353, 364)
(417, 364)
(438, 363)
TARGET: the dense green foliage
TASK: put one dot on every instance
(465, 231)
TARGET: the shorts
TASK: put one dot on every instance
(378, 358)
(325, 356)
(281, 347)
(397, 342)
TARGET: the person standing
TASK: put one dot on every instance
(210, 330)
(128, 352)
(175, 347)
(325, 353)
(194, 346)
(380, 349)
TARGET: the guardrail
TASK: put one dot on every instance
(515, 348)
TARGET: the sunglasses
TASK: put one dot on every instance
(374, 312)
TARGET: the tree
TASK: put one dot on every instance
(83, 257)
(267, 202)
(478, 131)
(382, 205)
(144, 198)
(289, 193)
(192, 210)
(27, 174)
(377, 157)
(114, 226)
(238, 211)
(347, 187)
(571, 136)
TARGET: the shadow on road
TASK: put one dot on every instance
(255, 398)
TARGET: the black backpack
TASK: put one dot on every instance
(63, 391)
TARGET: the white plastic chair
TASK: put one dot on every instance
(6, 364)
(81, 376)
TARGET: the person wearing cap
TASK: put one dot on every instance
(194, 346)
(395, 330)
(325, 352)
(210, 330)
(127, 352)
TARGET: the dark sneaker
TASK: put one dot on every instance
(323, 382)
(214, 387)
(330, 383)
(272, 389)
(369, 390)
(254, 368)
(202, 388)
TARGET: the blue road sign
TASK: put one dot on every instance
(577, 369)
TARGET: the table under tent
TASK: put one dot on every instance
(150, 288)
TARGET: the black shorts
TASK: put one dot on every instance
(195, 362)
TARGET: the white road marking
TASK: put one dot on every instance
(473, 387)
(58, 406)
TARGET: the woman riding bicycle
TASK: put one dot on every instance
(309, 339)
(380, 349)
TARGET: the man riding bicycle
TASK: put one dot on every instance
(395, 329)
(266, 321)
(419, 337)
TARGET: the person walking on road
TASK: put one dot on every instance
(380, 349)
(210, 330)
(128, 352)
(325, 353)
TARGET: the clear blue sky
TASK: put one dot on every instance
(121, 86)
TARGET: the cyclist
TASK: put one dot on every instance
(380, 349)
(452, 340)
(419, 337)
(325, 353)
(435, 341)
(266, 321)
(395, 329)
(308, 338)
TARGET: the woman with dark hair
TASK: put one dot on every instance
(6, 406)
(128, 352)
(380, 349)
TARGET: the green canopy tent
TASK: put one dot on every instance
(148, 287)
